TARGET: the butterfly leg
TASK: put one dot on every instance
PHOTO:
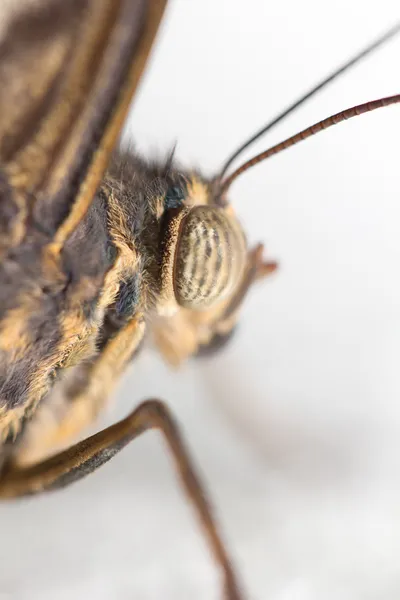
(20, 478)
(86, 456)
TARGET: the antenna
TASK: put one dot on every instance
(339, 71)
(349, 113)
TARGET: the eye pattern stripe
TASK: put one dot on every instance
(210, 257)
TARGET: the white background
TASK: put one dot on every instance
(296, 426)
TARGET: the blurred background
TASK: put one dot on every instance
(295, 427)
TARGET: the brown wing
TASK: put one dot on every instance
(68, 70)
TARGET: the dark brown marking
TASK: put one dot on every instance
(217, 343)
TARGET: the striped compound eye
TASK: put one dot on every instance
(204, 258)
(210, 257)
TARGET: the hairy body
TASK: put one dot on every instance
(52, 320)
(67, 333)
(96, 249)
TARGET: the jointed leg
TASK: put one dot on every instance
(86, 456)
(80, 402)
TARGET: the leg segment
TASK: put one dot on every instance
(83, 458)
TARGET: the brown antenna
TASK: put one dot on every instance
(306, 133)
(393, 31)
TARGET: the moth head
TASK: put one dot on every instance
(206, 270)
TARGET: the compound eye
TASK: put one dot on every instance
(209, 257)
(174, 197)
